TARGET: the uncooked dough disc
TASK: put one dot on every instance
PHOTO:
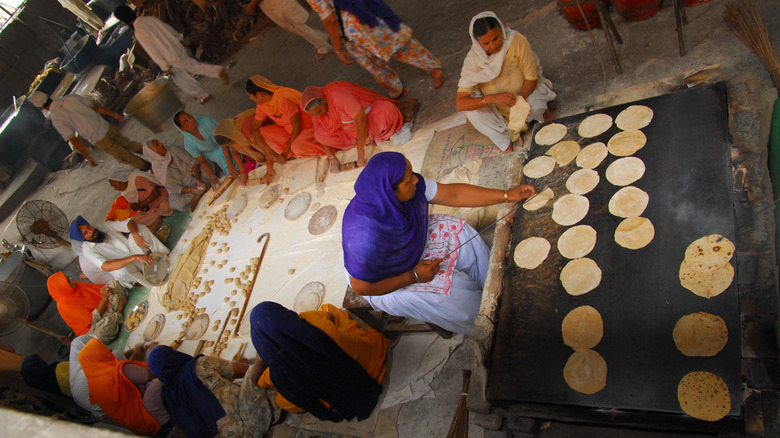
(550, 134)
(577, 241)
(634, 232)
(539, 167)
(709, 253)
(297, 206)
(531, 252)
(539, 200)
(155, 327)
(582, 328)
(706, 284)
(634, 117)
(704, 395)
(269, 196)
(580, 276)
(592, 155)
(197, 327)
(236, 207)
(586, 371)
(310, 297)
(564, 152)
(594, 125)
(700, 334)
(628, 202)
(626, 143)
(625, 171)
(582, 181)
(570, 209)
(322, 220)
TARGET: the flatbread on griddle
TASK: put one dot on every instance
(564, 152)
(594, 125)
(582, 328)
(550, 134)
(539, 167)
(634, 232)
(625, 171)
(580, 276)
(628, 202)
(709, 253)
(634, 117)
(531, 252)
(706, 284)
(626, 143)
(539, 200)
(700, 334)
(592, 155)
(582, 181)
(704, 395)
(586, 371)
(577, 241)
(570, 209)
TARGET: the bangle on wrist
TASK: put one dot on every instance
(415, 275)
(484, 102)
(506, 196)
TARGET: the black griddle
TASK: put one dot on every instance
(688, 174)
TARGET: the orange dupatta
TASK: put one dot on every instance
(75, 304)
(119, 398)
(120, 210)
(330, 120)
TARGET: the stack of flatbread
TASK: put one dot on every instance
(706, 270)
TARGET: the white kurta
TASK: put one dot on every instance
(74, 114)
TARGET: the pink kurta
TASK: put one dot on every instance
(284, 104)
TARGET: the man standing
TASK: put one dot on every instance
(163, 44)
(290, 15)
(123, 258)
(74, 114)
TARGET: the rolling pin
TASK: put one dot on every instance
(221, 189)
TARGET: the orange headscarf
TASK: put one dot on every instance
(75, 304)
(119, 398)
(273, 108)
(120, 210)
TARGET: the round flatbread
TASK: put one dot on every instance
(564, 152)
(700, 334)
(625, 171)
(634, 117)
(580, 276)
(592, 155)
(570, 209)
(539, 167)
(582, 181)
(582, 328)
(706, 284)
(577, 241)
(626, 143)
(550, 134)
(628, 202)
(634, 232)
(586, 372)
(594, 125)
(704, 396)
(540, 200)
(709, 253)
(531, 252)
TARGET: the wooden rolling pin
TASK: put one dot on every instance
(221, 189)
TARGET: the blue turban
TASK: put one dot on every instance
(75, 231)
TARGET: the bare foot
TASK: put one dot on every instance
(334, 166)
(318, 56)
(509, 149)
(548, 115)
(224, 76)
(438, 77)
(205, 99)
(403, 93)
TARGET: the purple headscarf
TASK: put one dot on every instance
(367, 11)
(191, 405)
(75, 231)
(307, 366)
(381, 236)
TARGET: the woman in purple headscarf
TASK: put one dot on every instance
(396, 255)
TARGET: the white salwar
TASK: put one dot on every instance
(291, 16)
(163, 44)
(116, 246)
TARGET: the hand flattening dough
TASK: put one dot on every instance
(531, 252)
(570, 209)
(626, 143)
(582, 181)
(625, 171)
(550, 134)
(577, 241)
(592, 155)
(634, 117)
(594, 125)
(539, 167)
(540, 200)
(580, 276)
(629, 202)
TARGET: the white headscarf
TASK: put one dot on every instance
(131, 192)
(159, 162)
(478, 67)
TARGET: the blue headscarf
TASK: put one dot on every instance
(382, 236)
(41, 375)
(307, 366)
(367, 11)
(75, 231)
(191, 405)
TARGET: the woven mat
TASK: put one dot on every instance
(454, 147)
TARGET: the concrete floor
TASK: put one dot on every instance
(649, 53)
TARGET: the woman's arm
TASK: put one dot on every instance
(207, 168)
(425, 270)
(297, 127)
(361, 124)
(464, 101)
(331, 24)
(467, 195)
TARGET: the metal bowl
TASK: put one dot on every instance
(157, 273)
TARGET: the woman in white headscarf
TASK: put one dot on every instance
(178, 172)
(499, 70)
(146, 195)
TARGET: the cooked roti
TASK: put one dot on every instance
(539, 167)
(592, 155)
(634, 232)
(594, 125)
(550, 134)
(570, 209)
(709, 253)
(531, 252)
(564, 152)
(634, 117)
(577, 241)
(582, 181)
(704, 395)
(625, 171)
(706, 284)
(700, 334)
(580, 276)
(582, 328)
(539, 200)
(628, 202)
(586, 372)
(626, 143)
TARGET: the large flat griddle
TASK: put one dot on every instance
(640, 297)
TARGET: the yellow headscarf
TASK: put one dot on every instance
(231, 128)
(273, 107)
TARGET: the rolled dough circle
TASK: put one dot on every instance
(628, 202)
(540, 200)
(706, 284)
(577, 241)
(531, 252)
(592, 155)
(322, 220)
(626, 143)
(310, 297)
(550, 134)
(582, 328)
(570, 209)
(709, 253)
(580, 276)
(634, 232)
(625, 171)
(586, 372)
(704, 395)
(594, 125)
(297, 206)
(634, 117)
(700, 334)
(564, 152)
(539, 167)
(582, 181)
